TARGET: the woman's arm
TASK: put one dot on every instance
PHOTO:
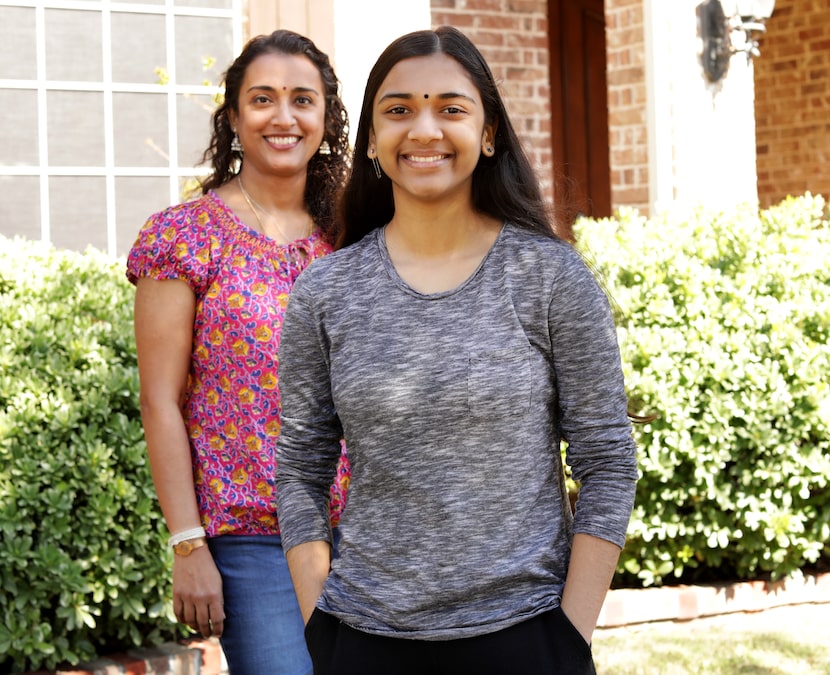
(164, 314)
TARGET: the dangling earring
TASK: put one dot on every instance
(325, 148)
(236, 146)
(376, 165)
(373, 157)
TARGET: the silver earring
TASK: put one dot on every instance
(236, 146)
(325, 148)
(376, 165)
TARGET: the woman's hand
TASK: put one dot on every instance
(197, 593)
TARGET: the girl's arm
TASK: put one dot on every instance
(309, 567)
(591, 569)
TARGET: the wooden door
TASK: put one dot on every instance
(579, 110)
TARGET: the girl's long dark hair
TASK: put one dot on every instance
(326, 173)
(504, 186)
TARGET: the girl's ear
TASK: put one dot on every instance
(488, 140)
(371, 152)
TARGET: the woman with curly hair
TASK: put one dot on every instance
(212, 278)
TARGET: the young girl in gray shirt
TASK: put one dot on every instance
(453, 341)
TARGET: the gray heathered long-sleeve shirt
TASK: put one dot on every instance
(452, 406)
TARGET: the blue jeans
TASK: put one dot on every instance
(263, 627)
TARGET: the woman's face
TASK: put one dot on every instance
(428, 128)
(281, 114)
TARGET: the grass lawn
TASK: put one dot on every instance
(792, 640)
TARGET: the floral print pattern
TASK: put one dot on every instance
(242, 281)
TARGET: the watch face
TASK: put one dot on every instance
(185, 548)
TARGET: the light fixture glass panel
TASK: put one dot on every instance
(755, 9)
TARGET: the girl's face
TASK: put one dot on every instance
(282, 111)
(428, 128)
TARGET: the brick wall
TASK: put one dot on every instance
(792, 102)
(628, 138)
(512, 36)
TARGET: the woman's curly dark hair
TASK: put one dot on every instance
(326, 173)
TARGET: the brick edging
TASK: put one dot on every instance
(194, 657)
(672, 603)
(622, 607)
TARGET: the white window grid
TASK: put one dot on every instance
(172, 89)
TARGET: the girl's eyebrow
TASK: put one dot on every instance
(441, 97)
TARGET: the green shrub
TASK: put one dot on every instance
(724, 325)
(81, 537)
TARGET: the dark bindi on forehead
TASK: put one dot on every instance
(426, 95)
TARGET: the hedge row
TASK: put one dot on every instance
(724, 322)
(724, 325)
(82, 560)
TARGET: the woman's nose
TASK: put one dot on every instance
(283, 114)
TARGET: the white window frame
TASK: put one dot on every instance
(43, 170)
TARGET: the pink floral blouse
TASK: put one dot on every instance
(232, 411)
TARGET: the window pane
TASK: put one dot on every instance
(75, 122)
(17, 48)
(138, 47)
(212, 4)
(20, 206)
(18, 133)
(73, 45)
(140, 126)
(193, 126)
(201, 39)
(78, 212)
(136, 200)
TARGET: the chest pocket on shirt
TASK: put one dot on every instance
(499, 383)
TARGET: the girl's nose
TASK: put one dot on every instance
(426, 127)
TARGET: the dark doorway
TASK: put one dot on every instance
(579, 110)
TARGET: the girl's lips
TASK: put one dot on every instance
(425, 159)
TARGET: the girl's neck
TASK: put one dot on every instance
(433, 230)
(436, 250)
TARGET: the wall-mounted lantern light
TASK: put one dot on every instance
(716, 31)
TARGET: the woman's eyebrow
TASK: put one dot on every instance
(268, 87)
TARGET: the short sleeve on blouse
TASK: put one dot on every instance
(174, 244)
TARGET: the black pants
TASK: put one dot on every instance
(548, 643)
